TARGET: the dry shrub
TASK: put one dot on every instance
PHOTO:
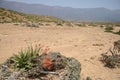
(111, 58)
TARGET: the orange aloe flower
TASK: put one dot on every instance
(47, 63)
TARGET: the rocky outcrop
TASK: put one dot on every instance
(51, 66)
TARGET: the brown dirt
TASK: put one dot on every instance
(83, 43)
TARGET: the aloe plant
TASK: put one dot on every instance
(25, 58)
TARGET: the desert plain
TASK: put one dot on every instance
(86, 44)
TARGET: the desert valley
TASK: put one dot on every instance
(84, 41)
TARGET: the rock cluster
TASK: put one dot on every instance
(58, 67)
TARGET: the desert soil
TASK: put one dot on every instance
(83, 43)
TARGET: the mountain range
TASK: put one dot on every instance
(66, 13)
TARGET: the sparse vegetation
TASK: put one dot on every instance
(9, 16)
(16, 24)
(69, 24)
(117, 32)
(80, 24)
(59, 23)
(101, 26)
(47, 24)
(117, 25)
(109, 29)
(112, 60)
(29, 24)
(93, 24)
(41, 24)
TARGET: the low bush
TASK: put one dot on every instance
(41, 24)
(59, 24)
(109, 29)
(101, 26)
(16, 24)
(117, 32)
(111, 61)
(29, 24)
(69, 24)
(111, 58)
(117, 25)
(47, 24)
(78, 25)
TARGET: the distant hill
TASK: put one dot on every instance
(14, 16)
(67, 13)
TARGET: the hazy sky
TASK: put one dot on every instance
(111, 4)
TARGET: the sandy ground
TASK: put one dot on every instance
(77, 42)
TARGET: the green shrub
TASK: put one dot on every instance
(41, 24)
(59, 24)
(35, 25)
(47, 24)
(109, 29)
(101, 26)
(25, 58)
(117, 24)
(117, 32)
(69, 24)
(78, 25)
(92, 24)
